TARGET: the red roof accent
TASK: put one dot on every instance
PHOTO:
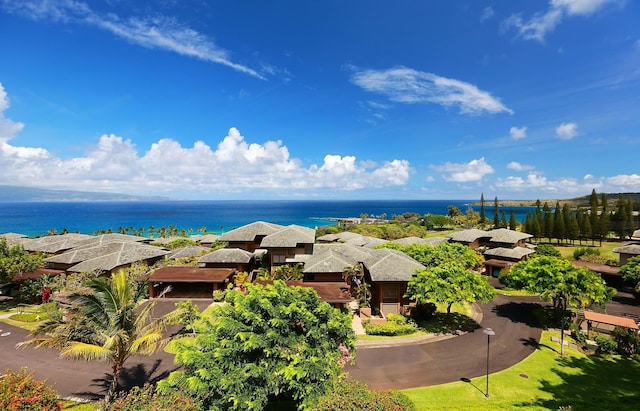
(610, 319)
(188, 274)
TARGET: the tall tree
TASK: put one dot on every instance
(273, 341)
(548, 221)
(604, 220)
(594, 211)
(559, 228)
(107, 323)
(513, 223)
(559, 282)
(483, 214)
(496, 213)
(449, 283)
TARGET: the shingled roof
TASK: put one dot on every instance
(365, 241)
(14, 238)
(186, 252)
(391, 265)
(342, 236)
(517, 253)
(467, 236)
(631, 249)
(504, 235)
(333, 258)
(55, 243)
(289, 237)
(111, 256)
(188, 274)
(249, 232)
(227, 255)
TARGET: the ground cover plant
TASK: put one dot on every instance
(543, 381)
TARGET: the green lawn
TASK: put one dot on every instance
(543, 381)
(606, 250)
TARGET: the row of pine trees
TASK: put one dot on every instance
(564, 224)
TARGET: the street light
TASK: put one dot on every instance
(489, 333)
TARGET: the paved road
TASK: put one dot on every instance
(450, 360)
(398, 367)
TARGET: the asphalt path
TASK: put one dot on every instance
(464, 356)
(397, 367)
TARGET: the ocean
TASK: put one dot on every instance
(37, 218)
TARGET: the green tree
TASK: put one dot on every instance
(559, 282)
(631, 271)
(593, 216)
(604, 220)
(513, 223)
(547, 221)
(432, 256)
(354, 276)
(449, 283)
(15, 261)
(187, 313)
(483, 213)
(439, 221)
(106, 323)
(274, 342)
(496, 213)
(559, 227)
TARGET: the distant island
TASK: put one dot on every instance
(582, 201)
(27, 194)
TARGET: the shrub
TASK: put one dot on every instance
(595, 258)
(396, 325)
(579, 252)
(578, 335)
(350, 395)
(605, 345)
(146, 398)
(218, 295)
(19, 391)
(627, 340)
(547, 249)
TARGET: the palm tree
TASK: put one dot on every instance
(104, 324)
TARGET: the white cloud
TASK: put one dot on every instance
(542, 23)
(487, 13)
(406, 85)
(514, 165)
(235, 165)
(474, 170)
(567, 131)
(566, 186)
(8, 128)
(518, 133)
(151, 32)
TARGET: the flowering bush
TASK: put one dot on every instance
(20, 391)
(146, 398)
(351, 395)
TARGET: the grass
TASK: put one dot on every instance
(542, 381)
(459, 319)
(606, 250)
(516, 293)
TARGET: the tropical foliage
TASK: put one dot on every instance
(15, 260)
(147, 398)
(433, 256)
(273, 342)
(449, 283)
(20, 391)
(351, 395)
(559, 282)
(105, 323)
(631, 271)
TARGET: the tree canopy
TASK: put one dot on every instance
(272, 342)
(559, 282)
(15, 261)
(432, 256)
(449, 283)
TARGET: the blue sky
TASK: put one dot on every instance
(321, 99)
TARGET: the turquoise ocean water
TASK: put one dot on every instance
(36, 218)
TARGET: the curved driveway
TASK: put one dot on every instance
(409, 366)
(397, 367)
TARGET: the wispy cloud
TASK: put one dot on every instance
(151, 32)
(514, 165)
(567, 131)
(472, 171)
(116, 164)
(518, 133)
(535, 182)
(542, 23)
(487, 13)
(406, 85)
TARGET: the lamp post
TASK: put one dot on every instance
(489, 333)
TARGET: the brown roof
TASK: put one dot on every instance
(330, 292)
(610, 319)
(498, 263)
(598, 268)
(36, 274)
(187, 274)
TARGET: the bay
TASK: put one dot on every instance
(37, 218)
